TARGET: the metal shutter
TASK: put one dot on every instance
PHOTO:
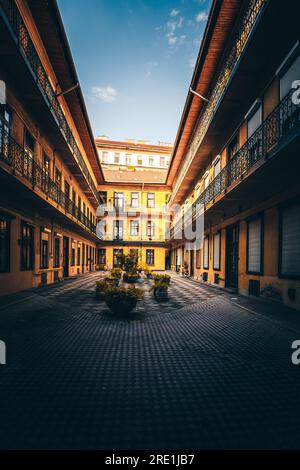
(290, 246)
(254, 246)
(217, 251)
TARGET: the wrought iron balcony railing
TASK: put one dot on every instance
(278, 127)
(243, 34)
(22, 38)
(25, 166)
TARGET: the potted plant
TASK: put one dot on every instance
(122, 300)
(116, 272)
(131, 277)
(148, 273)
(160, 290)
(162, 278)
(101, 288)
(102, 267)
(112, 280)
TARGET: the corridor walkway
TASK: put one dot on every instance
(198, 372)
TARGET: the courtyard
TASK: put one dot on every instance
(205, 370)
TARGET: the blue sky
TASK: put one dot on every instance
(135, 60)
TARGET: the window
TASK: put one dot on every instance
(104, 157)
(58, 177)
(134, 228)
(29, 145)
(4, 246)
(255, 135)
(73, 202)
(78, 255)
(233, 147)
(151, 161)
(150, 200)
(254, 246)
(128, 159)
(46, 173)
(198, 259)
(254, 121)
(150, 228)
(56, 252)
(103, 197)
(217, 167)
(289, 260)
(150, 257)
(117, 253)
(73, 252)
(118, 200)
(217, 252)
(5, 127)
(67, 194)
(162, 161)
(290, 75)
(206, 253)
(139, 160)
(206, 180)
(84, 208)
(44, 254)
(117, 158)
(79, 203)
(101, 256)
(26, 247)
(134, 200)
(118, 229)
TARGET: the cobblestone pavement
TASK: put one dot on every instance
(198, 372)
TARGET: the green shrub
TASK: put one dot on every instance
(162, 278)
(101, 287)
(131, 277)
(116, 272)
(122, 300)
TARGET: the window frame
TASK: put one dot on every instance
(207, 237)
(281, 208)
(152, 252)
(219, 233)
(150, 199)
(7, 241)
(248, 221)
(28, 243)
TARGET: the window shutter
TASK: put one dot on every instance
(205, 253)
(254, 122)
(290, 246)
(293, 73)
(217, 251)
(254, 246)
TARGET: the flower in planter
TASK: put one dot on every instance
(162, 278)
(122, 300)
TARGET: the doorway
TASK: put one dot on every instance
(66, 256)
(232, 256)
(192, 263)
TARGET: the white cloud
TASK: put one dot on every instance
(192, 61)
(201, 16)
(172, 40)
(108, 94)
(174, 12)
(150, 67)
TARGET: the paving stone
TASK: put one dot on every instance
(195, 372)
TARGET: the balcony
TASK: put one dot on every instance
(241, 39)
(279, 129)
(21, 38)
(22, 165)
